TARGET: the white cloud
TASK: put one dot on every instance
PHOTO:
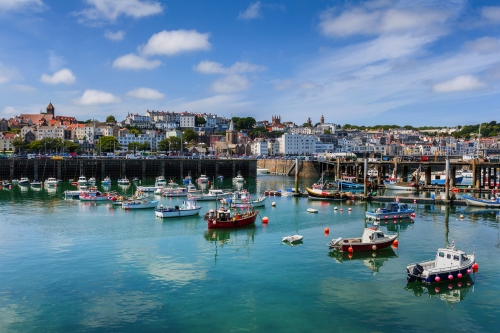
(132, 61)
(176, 41)
(24, 88)
(491, 13)
(283, 85)
(211, 67)
(253, 11)
(460, 83)
(112, 9)
(364, 21)
(95, 97)
(7, 74)
(230, 84)
(215, 104)
(10, 111)
(63, 76)
(483, 45)
(114, 36)
(17, 4)
(146, 93)
(56, 62)
(309, 86)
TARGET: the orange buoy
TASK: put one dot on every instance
(395, 243)
(327, 231)
(350, 249)
(265, 219)
(349, 255)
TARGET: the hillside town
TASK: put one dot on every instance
(161, 133)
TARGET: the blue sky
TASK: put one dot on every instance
(359, 62)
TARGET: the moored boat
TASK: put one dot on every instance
(392, 210)
(406, 186)
(321, 194)
(262, 171)
(238, 179)
(51, 181)
(24, 181)
(123, 181)
(140, 204)
(82, 180)
(292, 239)
(449, 264)
(106, 181)
(36, 183)
(373, 239)
(93, 195)
(223, 217)
(203, 179)
(478, 202)
(212, 195)
(188, 208)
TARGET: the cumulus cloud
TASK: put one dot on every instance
(460, 83)
(135, 62)
(112, 9)
(10, 111)
(6, 5)
(252, 12)
(7, 74)
(176, 41)
(211, 67)
(230, 84)
(63, 76)
(146, 93)
(95, 97)
(483, 45)
(491, 13)
(114, 36)
(366, 20)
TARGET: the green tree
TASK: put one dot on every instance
(134, 131)
(243, 123)
(110, 119)
(189, 135)
(19, 144)
(306, 125)
(175, 143)
(71, 146)
(133, 146)
(107, 143)
(144, 146)
(200, 121)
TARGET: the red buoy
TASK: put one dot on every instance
(265, 219)
(450, 277)
(459, 284)
(436, 289)
(459, 275)
(395, 243)
(350, 249)
(327, 231)
(475, 266)
(437, 279)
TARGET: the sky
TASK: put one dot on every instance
(419, 62)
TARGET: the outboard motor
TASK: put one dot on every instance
(418, 270)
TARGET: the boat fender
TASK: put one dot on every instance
(374, 247)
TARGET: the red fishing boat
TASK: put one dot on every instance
(223, 217)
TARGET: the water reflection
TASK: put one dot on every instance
(238, 239)
(373, 260)
(452, 292)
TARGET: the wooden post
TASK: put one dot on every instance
(447, 181)
(103, 169)
(297, 176)
(365, 178)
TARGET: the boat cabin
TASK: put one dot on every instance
(393, 207)
(448, 257)
(371, 235)
(221, 214)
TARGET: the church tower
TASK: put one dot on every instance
(322, 119)
(50, 109)
(230, 134)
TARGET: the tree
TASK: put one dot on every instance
(144, 146)
(243, 123)
(134, 131)
(71, 146)
(35, 146)
(107, 143)
(163, 145)
(306, 125)
(175, 143)
(111, 119)
(189, 135)
(200, 121)
(133, 146)
(18, 143)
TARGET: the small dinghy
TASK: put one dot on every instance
(292, 239)
(312, 210)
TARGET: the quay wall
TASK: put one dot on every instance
(118, 168)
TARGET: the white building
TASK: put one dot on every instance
(86, 131)
(259, 147)
(53, 132)
(297, 144)
(273, 147)
(187, 120)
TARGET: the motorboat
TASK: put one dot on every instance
(123, 181)
(250, 202)
(92, 181)
(174, 190)
(51, 181)
(136, 180)
(36, 183)
(188, 208)
(212, 195)
(68, 194)
(93, 195)
(478, 202)
(312, 210)
(405, 186)
(106, 181)
(373, 239)
(191, 188)
(349, 182)
(220, 177)
(24, 181)
(292, 239)
(223, 217)
(139, 204)
(238, 179)
(322, 194)
(392, 210)
(160, 182)
(82, 180)
(262, 171)
(449, 264)
(203, 179)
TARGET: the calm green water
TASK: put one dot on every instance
(67, 266)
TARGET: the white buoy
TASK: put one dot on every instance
(349, 209)
(273, 204)
(334, 208)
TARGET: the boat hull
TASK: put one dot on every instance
(443, 274)
(398, 186)
(389, 216)
(481, 202)
(163, 213)
(151, 204)
(351, 243)
(213, 223)
(316, 194)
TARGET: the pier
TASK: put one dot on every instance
(145, 169)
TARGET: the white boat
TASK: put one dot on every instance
(449, 264)
(140, 204)
(68, 194)
(191, 188)
(123, 181)
(243, 199)
(212, 195)
(188, 208)
(23, 181)
(82, 180)
(203, 179)
(106, 181)
(312, 210)
(15, 181)
(160, 181)
(93, 195)
(399, 186)
(494, 202)
(292, 239)
(51, 181)
(36, 183)
(92, 181)
(262, 171)
(467, 173)
(239, 179)
(174, 190)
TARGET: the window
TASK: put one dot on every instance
(441, 254)
(456, 258)
(448, 256)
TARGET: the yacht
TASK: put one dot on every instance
(51, 181)
(123, 181)
(239, 179)
(82, 180)
(203, 179)
(24, 181)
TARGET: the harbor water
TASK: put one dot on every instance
(71, 266)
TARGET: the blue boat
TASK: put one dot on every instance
(393, 210)
(347, 182)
